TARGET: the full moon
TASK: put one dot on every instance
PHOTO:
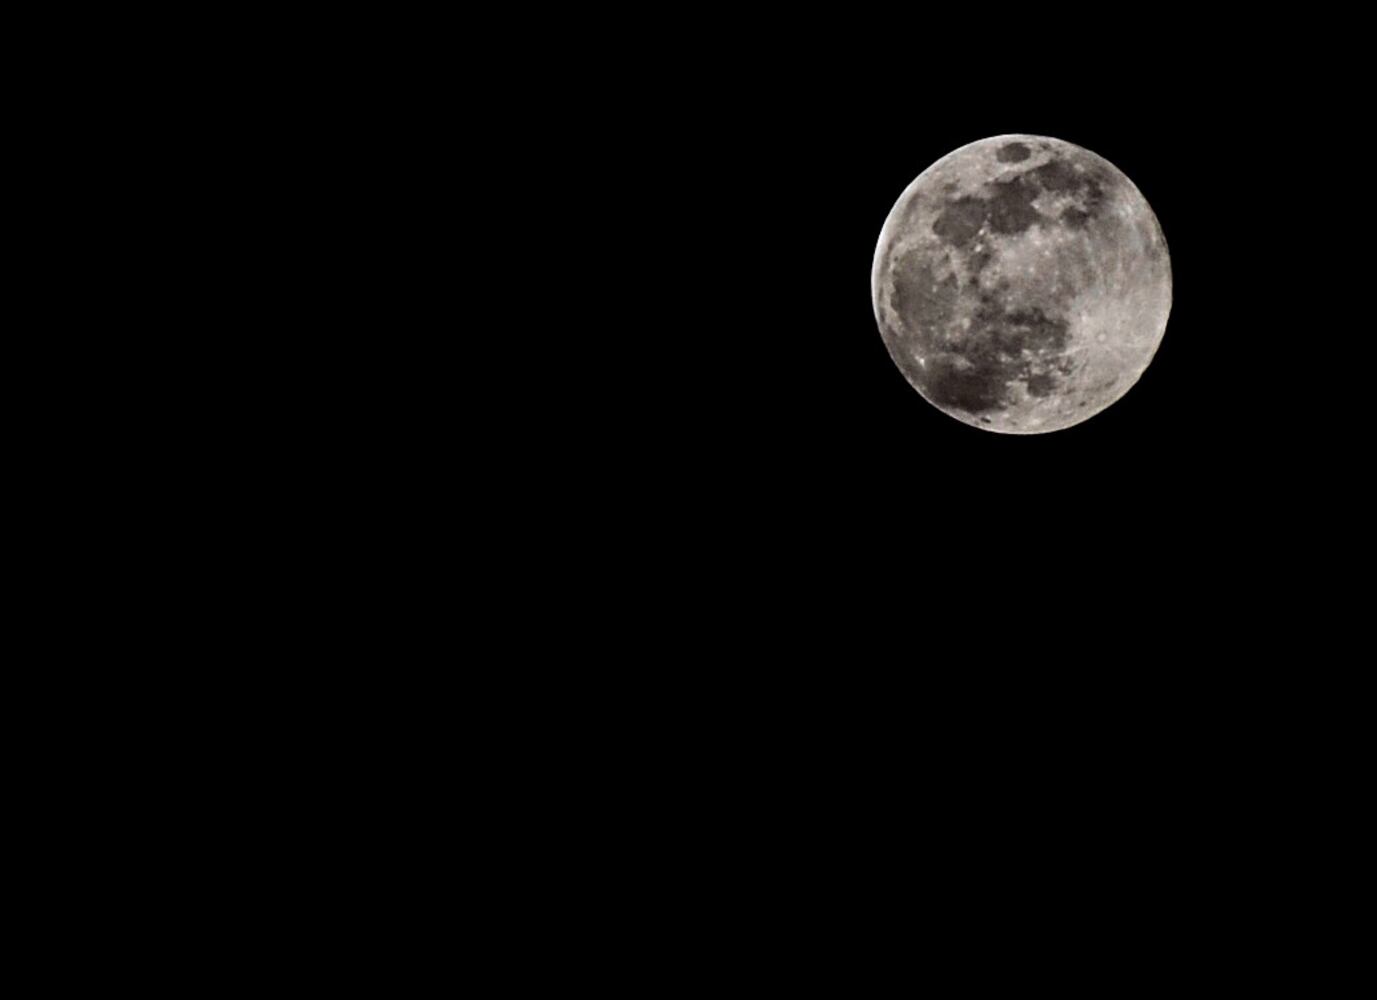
(1021, 284)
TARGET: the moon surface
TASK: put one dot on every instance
(1022, 284)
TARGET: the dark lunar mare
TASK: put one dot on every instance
(1005, 343)
(1006, 206)
(1013, 152)
(922, 310)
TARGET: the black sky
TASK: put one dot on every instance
(759, 414)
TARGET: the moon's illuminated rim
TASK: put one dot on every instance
(1021, 283)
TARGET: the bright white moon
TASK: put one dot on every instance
(1022, 284)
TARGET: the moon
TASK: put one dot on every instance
(1022, 284)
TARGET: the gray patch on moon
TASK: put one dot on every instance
(960, 221)
(1013, 152)
(1021, 284)
(922, 297)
